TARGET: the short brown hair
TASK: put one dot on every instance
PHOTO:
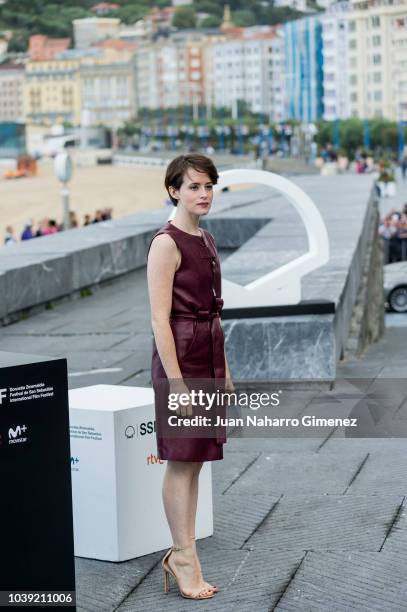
(177, 169)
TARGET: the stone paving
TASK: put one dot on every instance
(313, 524)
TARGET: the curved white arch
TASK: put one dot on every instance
(281, 286)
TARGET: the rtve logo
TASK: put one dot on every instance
(151, 459)
(3, 395)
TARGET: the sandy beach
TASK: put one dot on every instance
(126, 190)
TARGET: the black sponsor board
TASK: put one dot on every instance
(37, 547)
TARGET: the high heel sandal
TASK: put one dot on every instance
(168, 571)
(213, 587)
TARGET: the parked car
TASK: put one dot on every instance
(395, 286)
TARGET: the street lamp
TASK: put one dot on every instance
(63, 169)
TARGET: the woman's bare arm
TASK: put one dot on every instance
(163, 261)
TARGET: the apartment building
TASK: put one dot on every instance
(277, 77)
(240, 67)
(171, 70)
(11, 93)
(90, 30)
(42, 48)
(304, 69)
(108, 85)
(399, 66)
(374, 44)
(335, 61)
(52, 91)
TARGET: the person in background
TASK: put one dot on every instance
(9, 237)
(27, 233)
(403, 166)
(52, 226)
(98, 217)
(107, 214)
(87, 220)
(73, 220)
(43, 228)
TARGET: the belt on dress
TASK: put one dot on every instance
(217, 340)
(201, 314)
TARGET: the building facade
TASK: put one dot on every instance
(241, 69)
(52, 92)
(11, 93)
(277, 77)
(399, 66)
(42, 48)
(171, 70)
(335, 61)
(90, 30)
(299, 5)
(303, 69)
(375, 58)
(108, 87)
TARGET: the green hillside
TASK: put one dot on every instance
(25, 17)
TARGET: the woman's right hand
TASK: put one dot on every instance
(178, 386)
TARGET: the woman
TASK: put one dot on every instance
(184, 282)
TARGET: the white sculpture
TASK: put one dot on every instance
(281, 286)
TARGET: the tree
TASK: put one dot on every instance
(211, 22)
(18, 42)
(213, 9)
(243, 18)
(184, 17)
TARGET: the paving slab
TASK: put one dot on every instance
(342, 446)
(328, 522)
(230, 469)
(396, 541)
(101, 586)
(300, 473)
(383, 472)
(339, 582)
(234, 522)
(274, 445)
(249, 580)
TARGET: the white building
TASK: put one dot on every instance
(90, 30)
(277, 77)
(399, 67)
(299, 5)
(171, 70)
(335, 61)
(108, 87)
(372, 34)
(242, 69)
(11, 93)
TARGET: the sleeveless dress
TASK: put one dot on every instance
(198, 337)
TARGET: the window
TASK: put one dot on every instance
(377, 96)
(354, 97)
(377, 59)
(353, 79)
(376, 41)
(375, 21)
(352, 43)
(377, 77)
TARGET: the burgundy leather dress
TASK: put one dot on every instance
(198, 336)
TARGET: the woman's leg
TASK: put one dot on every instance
(192, 519)
(179, 491)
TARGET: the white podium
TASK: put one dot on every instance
(117, 477)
